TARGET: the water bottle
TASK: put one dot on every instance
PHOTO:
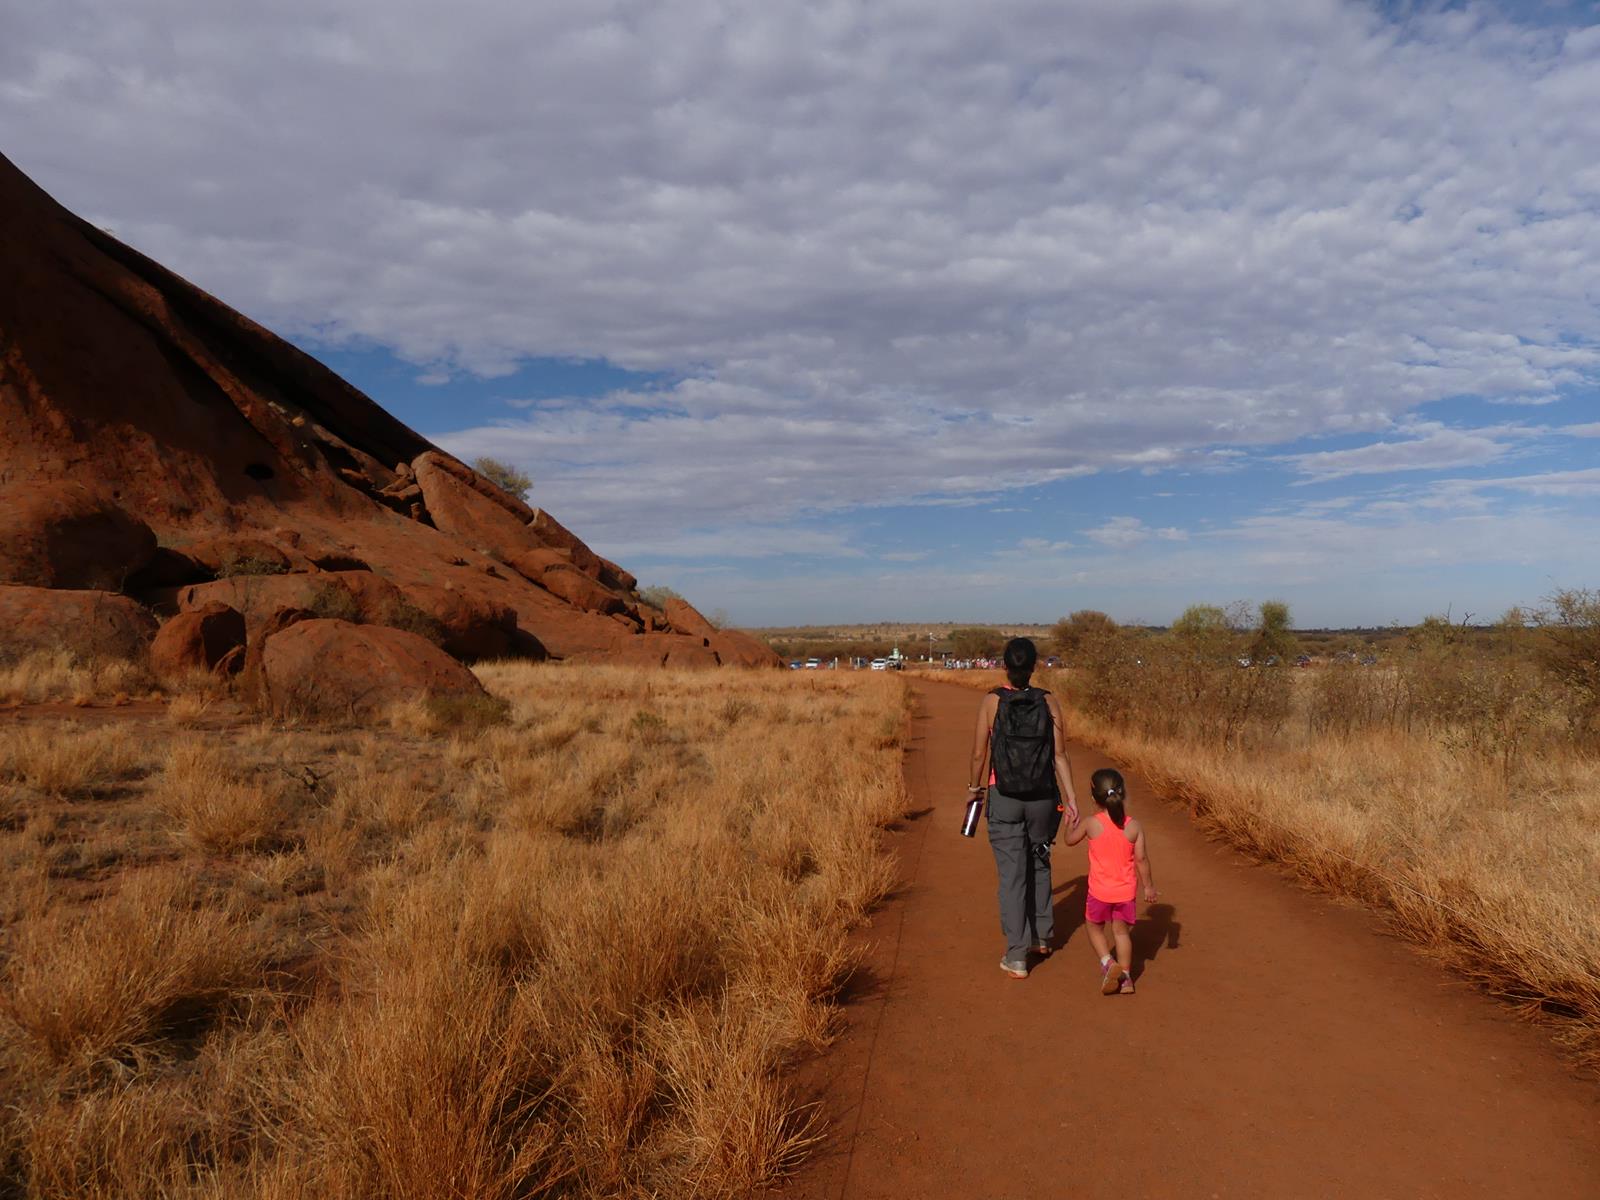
(969, 825)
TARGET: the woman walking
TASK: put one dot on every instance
(1019, 757)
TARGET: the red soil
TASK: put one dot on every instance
(1280, 1043)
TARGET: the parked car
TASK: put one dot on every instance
(1303, 661)
(796, 665)
(880, 664)
(813, 663)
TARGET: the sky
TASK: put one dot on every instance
(863, 310)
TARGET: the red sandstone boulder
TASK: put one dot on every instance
(250, 668)
(232, 554)
(531, 543)
(334, 668)
(62, 534)
(471, 626)
(735, 648)
(685, 618)
(655, 650)
(331, 594)
(197, 641)
(89, 624)
(573, 586)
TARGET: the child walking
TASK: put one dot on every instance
(1118, 861)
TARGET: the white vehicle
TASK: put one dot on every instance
(880, 664)
(813, 663)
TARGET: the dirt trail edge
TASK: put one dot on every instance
(1280, 1044)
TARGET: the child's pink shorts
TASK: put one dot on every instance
(1098, 912)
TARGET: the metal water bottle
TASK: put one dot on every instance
(969, 824)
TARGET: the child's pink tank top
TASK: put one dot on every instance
(1112, 876)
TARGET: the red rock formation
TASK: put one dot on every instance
(59, 533)
(198, 641)
(656, 650)
(733, 648)
(87, 624)
(336, 669)
(245, 455)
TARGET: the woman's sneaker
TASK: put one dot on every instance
(1126, 986)
(1014, 969)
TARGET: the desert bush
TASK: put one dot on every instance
(216, 806)
(1185, 684)
(334, 602)
(245, 564)
(400, 613)
(1570, 653)
(67, 762)
(1071, 633)
(656, 595)
(85, 988)
(504, 476)
(430, 716)
(975, 642)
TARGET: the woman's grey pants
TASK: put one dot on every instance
(1020, 833)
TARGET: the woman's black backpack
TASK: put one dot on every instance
(1023, 745)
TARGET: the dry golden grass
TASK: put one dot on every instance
(63, 759)
(214, 805)
(569, 950)
(87, 988)
(62, 676)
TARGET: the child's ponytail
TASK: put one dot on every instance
(1108, 789)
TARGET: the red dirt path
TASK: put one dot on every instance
(1280, 1045)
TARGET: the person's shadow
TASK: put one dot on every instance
(1069, 897)
(1156, 930)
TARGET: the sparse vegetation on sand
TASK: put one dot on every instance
(568, 948)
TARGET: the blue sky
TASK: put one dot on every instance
(854, 311)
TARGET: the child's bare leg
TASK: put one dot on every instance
(1097, 939)
(1119, 931)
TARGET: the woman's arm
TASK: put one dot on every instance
(978, 778)
(1063, 766)
(1141, 858)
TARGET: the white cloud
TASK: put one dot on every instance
(1429, 447)
(1130, 531)
(900, 251)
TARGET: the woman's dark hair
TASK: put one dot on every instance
(1109, 791)
(1020, 658)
